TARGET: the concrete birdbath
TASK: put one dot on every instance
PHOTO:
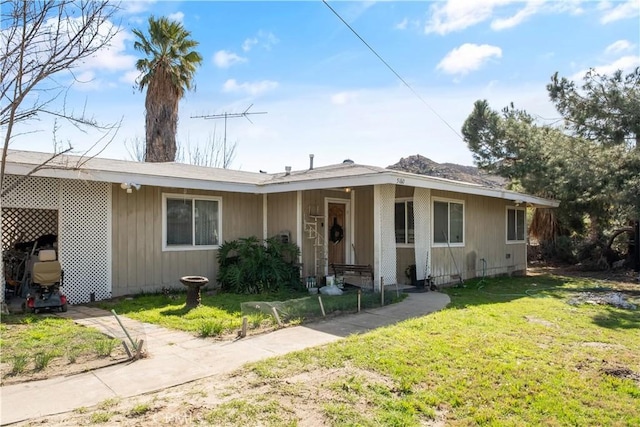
(193, 284)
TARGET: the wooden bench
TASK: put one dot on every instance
(364, 271)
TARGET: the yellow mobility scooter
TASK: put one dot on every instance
(44, 280)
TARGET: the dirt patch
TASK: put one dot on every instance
(301, 396)
(614, 299)
(59, 366)
(603, 345)
(624, 279)
(539, 321)
(621, 372)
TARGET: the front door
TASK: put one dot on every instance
(336, 233)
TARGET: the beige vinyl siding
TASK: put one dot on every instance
(485, 237)
(281, 214)
(139, 264)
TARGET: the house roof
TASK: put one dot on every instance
(205, 178)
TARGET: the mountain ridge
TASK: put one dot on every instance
(421, 165)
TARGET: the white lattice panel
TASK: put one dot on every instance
(33, 192)
(84, 241)
(422, 221)
(384, 206)
(24, 225)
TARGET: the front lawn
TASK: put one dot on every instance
(507, 351)
(221, 314)
(39, 346)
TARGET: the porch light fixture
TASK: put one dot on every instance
(347, 190)
(518, 202)
(129, 186)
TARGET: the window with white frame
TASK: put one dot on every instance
(191, 222)
(404, 222)
(448, 222)
(516, 223)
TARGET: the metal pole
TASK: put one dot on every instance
(224, 144)
(135, 347)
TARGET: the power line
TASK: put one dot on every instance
(393, 71)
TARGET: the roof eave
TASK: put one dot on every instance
(408, 179)
(118, 177)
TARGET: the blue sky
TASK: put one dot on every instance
(326, 93)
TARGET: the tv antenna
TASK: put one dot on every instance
(226, 116)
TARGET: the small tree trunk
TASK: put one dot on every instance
(594, 229)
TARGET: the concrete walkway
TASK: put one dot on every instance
(176, 357)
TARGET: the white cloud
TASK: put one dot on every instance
(113, 56)
(402, 25)
(86, 76)
(628, 9)
(249, 43)
(457, 15)
(250, 88)
(618, 47)
(342, 98)
(136, 6)
(178, 16)
(225, 59)
(468, 57)
(107, 44)
(130, 77)
(265, 39)
(530, 8)
(626, 64)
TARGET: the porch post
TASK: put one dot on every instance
(384, 241)
(265, 216)
(299, 224)
(422, 226)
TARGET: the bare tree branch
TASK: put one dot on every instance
(39, 40)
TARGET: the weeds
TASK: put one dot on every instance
(108, 403)
(211, 327)
(105, 347)
(41, 360)
(73, 353)
(100, 417)
(19, 363)
(139, 409)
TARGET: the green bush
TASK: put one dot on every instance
(253, 266)
(560, 250)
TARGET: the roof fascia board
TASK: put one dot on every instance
(325, 183)
(477, 190)
(385, 177)
(407, 180)
(120, 177)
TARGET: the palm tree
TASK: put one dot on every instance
(167, 72)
